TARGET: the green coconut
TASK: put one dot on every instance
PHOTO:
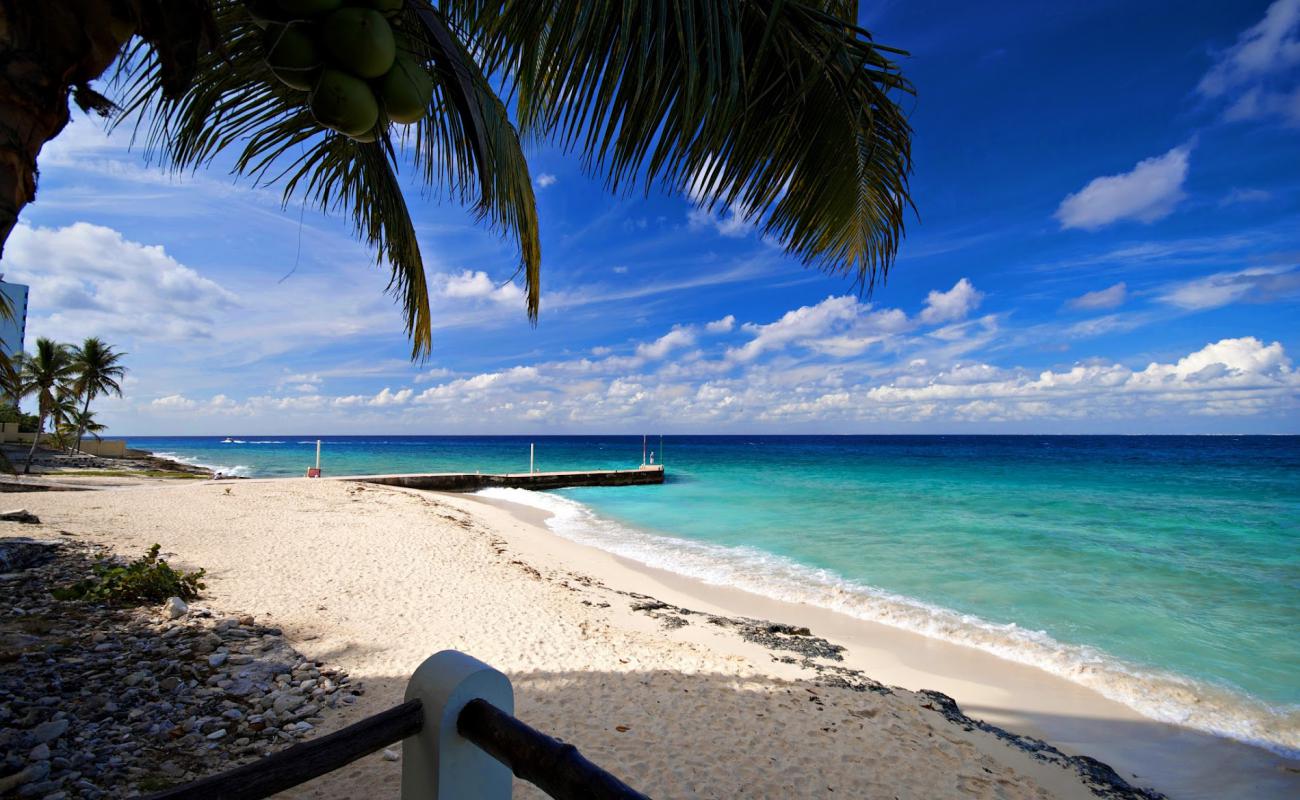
(292, 55)
(310, 8)
(344, 103)
(360, 41)
(370, 135)
(405, 90)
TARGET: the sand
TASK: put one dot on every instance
(375, 579)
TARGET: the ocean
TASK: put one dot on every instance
(1164, 572)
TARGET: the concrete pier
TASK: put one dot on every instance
(472, 482)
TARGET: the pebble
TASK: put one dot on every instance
(391, 755)
(48, 731)
(175, 608)
(191, 694)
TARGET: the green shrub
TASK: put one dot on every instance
(10, 413)
(145, 580)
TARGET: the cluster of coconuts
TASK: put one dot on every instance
(346, 55)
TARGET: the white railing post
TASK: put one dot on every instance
(438, 763)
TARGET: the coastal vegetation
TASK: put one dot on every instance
(148, 579)
(787, 113)
(64, 379)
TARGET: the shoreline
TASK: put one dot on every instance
(638, 668)
(1178, 761)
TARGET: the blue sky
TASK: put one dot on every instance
(1108, 240)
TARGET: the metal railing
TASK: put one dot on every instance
(459, 738)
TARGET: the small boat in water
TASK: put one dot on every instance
(227, 440)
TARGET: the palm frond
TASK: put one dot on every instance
(466, 148)
(786, 111)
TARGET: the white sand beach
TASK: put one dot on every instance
(375, 579)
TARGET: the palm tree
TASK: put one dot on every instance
(46, 373)
(98, 371)
(787, 111)
(63, 415)
(84, 422)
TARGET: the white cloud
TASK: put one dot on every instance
(546, 179)
(386, 397)
(1232, 376)
(175, 402)
(1148, 193)
(89, 280)
(478, 384)
(674, 339)
(802, 323)
(476, 285)
(723, 325)
(1110, 297)
(954, 304)
(1254, 285)
(1253, 74)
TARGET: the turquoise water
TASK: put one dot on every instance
(1162, 571)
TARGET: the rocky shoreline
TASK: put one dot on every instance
(105, 702)
(57, 470)
(792, 644)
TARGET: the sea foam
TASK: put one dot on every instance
(238, 470)
(1156, 694)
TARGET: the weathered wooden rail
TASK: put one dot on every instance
(459, 739)
(473, 481)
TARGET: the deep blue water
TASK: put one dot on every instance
(1162, 571)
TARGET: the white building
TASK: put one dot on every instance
(13, 331)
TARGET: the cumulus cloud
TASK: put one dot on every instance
(1230, 376)
(476, 285)
(954, 304)
(723, 325)
(385, 397)
(1255, 75)
(545, 179)
(174, 402)
(89, 280)
(1110, 297)
(673, 340)
(1254, 285)
(1149, 192)
(803, 323)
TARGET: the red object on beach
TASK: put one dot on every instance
(313, 472)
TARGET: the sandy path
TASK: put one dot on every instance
(375, 580)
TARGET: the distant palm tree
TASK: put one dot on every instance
(63, 416)
(46, 373)
(786, 111)
(97, 371)
(84, 422)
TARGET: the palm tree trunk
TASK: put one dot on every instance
(47, 49)
(81, 428)
(36, 437)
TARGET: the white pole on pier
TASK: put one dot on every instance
(318, 454)
(643, 449)
(531, 448)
